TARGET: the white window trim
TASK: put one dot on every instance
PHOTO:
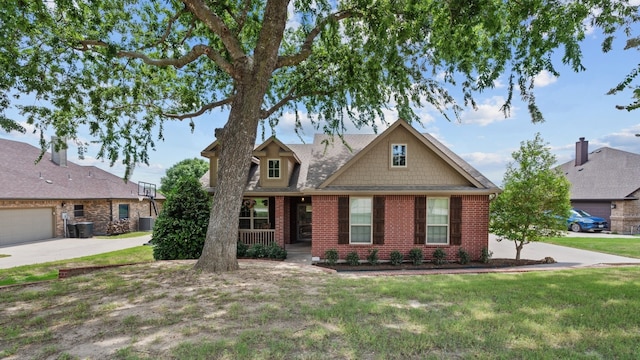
(406, 151)
(370, 224)
(269, 168)
(439, 225)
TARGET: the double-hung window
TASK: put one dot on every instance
(254, 213)
(273, 169)
(437, 220)
(398, 155)
(360, 220)
(78, 210)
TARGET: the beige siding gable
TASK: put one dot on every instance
(273, 152)
(423, 165)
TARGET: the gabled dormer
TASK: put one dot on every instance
(277, 162)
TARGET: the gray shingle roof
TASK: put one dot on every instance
(21, 178)
(609, 174)
(319, 161)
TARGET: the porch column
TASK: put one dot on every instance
(286, 220)
(280, 218)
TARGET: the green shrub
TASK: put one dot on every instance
(331, 256)
(353, 258)
(464, 256)
(276, 252)
(180, 229)
(486, 255)
(257, 251)
(439, 257)
(396, 257)
(241, 250)
(416, 256)
(372, 258)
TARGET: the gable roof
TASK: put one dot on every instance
(459, 165)
(284, 149)
(608, 174)
(21, 178)
(326, 159)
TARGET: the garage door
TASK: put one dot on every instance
(24, 225)
(600, 209)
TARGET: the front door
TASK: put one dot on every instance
(304, 222)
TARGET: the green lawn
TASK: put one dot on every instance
(624, 246)
(273, 312)
(48, 271)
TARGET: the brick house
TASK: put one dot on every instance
(398, 190)
(35, 198)
(606, 183)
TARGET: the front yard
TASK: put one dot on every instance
(276, 310)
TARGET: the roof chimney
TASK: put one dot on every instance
(582, 152)
(59, 156)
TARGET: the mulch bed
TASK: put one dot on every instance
(492, 264)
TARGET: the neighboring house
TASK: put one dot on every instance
(606, 183)
(35, 197)
(395, 191)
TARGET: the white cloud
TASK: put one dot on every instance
(544, 78)
(485, 159)
(487, 113)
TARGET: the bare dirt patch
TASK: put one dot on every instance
(149, 308)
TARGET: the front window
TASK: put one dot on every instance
(274, 169)
(437, 220)
(398, 155)
(360, 220)
(254, 213)
(123, 211)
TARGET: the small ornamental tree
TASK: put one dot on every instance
(181, 227)
(193, 168)
(535, 201)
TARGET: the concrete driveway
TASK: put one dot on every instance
(565, 256)
(63, 248)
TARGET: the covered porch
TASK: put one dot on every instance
(276, 219)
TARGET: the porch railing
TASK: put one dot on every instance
(252, 237)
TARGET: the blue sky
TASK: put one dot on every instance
(574, 105)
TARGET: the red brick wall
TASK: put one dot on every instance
(399, 228)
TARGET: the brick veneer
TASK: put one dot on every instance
(99, 212)
(399, 228)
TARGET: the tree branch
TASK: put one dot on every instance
(202, 110)
(168, 29)
(289, 97)
(243, 15)
(195, 53)
(305, 50)
(215, 24)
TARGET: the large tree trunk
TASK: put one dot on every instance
(236, 143)
(237, 140)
